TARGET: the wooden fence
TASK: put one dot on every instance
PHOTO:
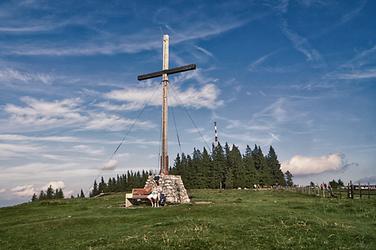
(351, 191)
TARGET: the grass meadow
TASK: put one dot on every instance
(230, 219)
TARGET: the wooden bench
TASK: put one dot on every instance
(137, 195)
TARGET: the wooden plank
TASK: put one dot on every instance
(167, 71)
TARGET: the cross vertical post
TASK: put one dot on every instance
(164, 73)
(164, 157)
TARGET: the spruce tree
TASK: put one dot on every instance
(50, 193)
(236, 167)
(217, 171)
(250, 170)
(274, 168)
(340, 183)
(263, 173)
(227, 178)
(42, 195)
(289, 181)
(102, 186)
(60, 194)
(205, 166)
(34, 198)
(95, 189)
(82, 195)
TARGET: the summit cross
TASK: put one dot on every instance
(164, 73)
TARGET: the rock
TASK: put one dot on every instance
(172, 187)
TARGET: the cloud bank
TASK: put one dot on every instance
(40, 114)
(110, 165)
(304, 165)
(29, 190)
(204, 97)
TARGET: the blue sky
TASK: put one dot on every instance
(298, 75)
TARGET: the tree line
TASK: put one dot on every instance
(49, 194)
(124, 182)
(225, 167)
(228, 168)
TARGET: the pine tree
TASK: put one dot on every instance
(238, 167)
(218, 167)
(34, 198)
(289, 181)
(42, 195)
(102, 186)
(59, 194)
(250, 170)
(340, 183)
(263, 173)
(205, 166)
(82, 195)
(95, 189)
(50, 193)
(227, 178)
(274, 168)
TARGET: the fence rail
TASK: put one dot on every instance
(351, 191)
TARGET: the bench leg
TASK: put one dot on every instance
(128, 203)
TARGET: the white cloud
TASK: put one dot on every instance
(15, 137)
(205, 51)
(353, 13)
(275, 112)
(113, 122)
(40, 114)
(359, 74)
(300, 43)
(110, 165)
(195, 130)
(254, 65)
(117, 43)
(27, 190)
(304, 165)
(47, 171)
(54, 185)
(282, 6)
(11, 75)
(45, 113)
(12, 150)
(88, 150)
(206, 97)
(122, 107)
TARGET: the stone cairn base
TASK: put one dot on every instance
(172, 187)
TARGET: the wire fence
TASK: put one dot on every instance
(350, 191)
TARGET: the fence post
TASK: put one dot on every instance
(351, 190)
(360, 191)
(369, 191)
(348, 190)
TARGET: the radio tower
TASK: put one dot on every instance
(215, 135)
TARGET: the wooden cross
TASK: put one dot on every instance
(164, 73)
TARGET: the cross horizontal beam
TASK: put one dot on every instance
(167, 71)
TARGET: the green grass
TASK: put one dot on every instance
(236, 219)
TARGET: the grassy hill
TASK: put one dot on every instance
(233, 219)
